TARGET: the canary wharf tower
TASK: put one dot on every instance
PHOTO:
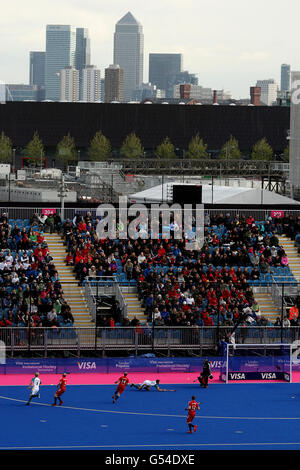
(129, 53)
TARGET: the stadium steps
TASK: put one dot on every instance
(292, 254)
(134, 307)
(72, 292)
(267, 306)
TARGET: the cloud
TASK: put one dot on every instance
(254, 56)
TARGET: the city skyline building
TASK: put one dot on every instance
(191, 91)
(102, 88)
(148, 91)
(82, 53)
(37, 68)
(69, 84)
(255, 95)
(269, 90)
(90, 84)
(37, 72)
(22, 92)
(114, 83)
(129, 53)
(285, 77)
(163, 68)
(60, 53)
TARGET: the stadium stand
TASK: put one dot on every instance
(177, 286)
(31, 294)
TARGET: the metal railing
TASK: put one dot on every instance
(136, 339)
(28, 212)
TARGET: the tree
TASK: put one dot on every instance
(286, 154)
(197, 148)
(262, 150)
(132, 147)
(6, 150)
(34, 150)
(66, 150)
(165, 150)
(100, 148)
(230, 150)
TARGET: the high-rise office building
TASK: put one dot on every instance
(37, 72)
(82, 53)
(37, 68)
(285, 83)
(60, 53)
(91, 84)
(255, 95)
(114, 82)
(163, 69)
(129, 53)
(102, 87)
(69, 84)
(83, 48)
(269, 90)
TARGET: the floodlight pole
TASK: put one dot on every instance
(62, 195)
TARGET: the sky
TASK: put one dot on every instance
(228, 44)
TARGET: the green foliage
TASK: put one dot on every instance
(34, 150)
(6, 150)
(66, 150)
(286, 154)
(100, 148)
(262, 150)
(165, 150)
(197, 148)
(230, 150)
(132, 147)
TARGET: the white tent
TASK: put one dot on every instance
(215, 195)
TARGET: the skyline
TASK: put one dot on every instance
(228, 46)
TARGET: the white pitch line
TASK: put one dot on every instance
(157, 446)
(254, 418)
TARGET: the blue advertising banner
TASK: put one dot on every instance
(113, 365)
(105, 365)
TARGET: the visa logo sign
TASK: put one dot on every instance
(86, 365)
(237, 376)
(268, 375)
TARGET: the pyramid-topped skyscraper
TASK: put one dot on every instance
(129, 53)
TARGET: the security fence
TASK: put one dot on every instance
(136, 340)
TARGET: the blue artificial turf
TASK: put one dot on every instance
(262, 416)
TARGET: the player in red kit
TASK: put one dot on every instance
(122, 383)
(193, 406)
(61, 388)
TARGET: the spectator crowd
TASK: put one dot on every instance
(31, 293)
(179, 286)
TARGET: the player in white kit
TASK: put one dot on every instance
(35, 388)
(147, 384)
